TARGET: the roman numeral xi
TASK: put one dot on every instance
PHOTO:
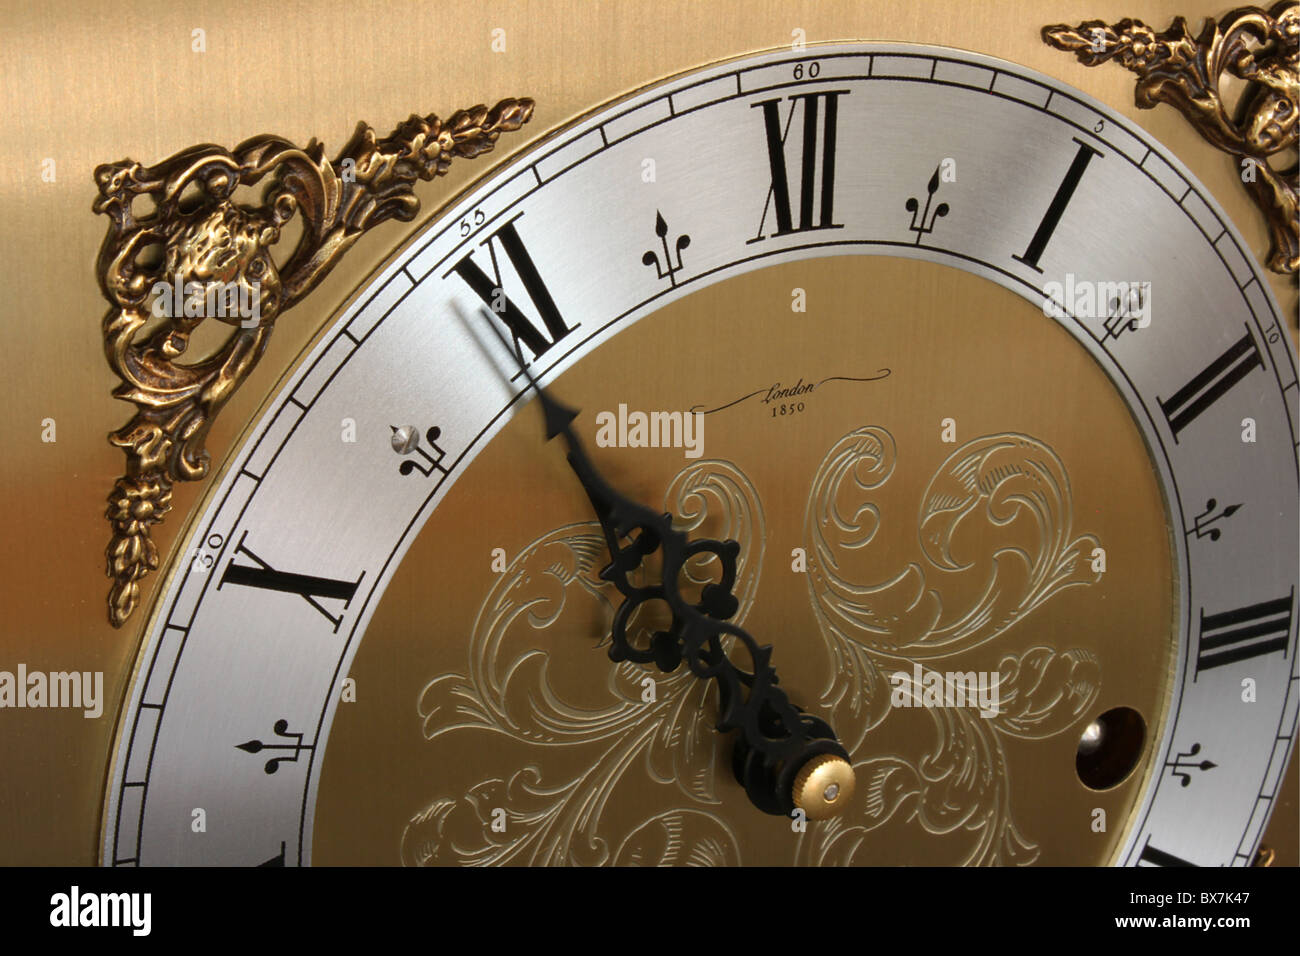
(536, 338)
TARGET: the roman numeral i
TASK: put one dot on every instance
(1052, 218)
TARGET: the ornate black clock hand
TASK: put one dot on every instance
(783, 757)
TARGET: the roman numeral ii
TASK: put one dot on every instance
(1182, 408)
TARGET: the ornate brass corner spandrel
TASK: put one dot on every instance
(1185, 71)
(197, 254)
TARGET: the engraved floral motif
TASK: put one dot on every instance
(509, 690)
(997, 511)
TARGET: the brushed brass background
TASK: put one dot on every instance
(87, 84)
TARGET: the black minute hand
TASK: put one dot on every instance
(784, 758)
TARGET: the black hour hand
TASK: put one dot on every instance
(784, 758)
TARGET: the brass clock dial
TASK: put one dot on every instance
(781, 474)
(988, 372)
(939, 511)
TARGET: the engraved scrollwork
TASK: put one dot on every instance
(962, 783)
(510, 689)
(680, 838)
(215, 249)
(1011, 489)
(996, 513)
(1188, 71)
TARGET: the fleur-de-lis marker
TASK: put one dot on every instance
(1204, 519)
(406, 439)
(1180, 765)
(926, 225)
(1120, 317)
(666, 269)
(281, 729)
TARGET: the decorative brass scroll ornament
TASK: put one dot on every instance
(213, 251)
(1185, 71)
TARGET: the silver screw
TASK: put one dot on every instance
(406, 439)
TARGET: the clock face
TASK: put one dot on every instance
(985, 387)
